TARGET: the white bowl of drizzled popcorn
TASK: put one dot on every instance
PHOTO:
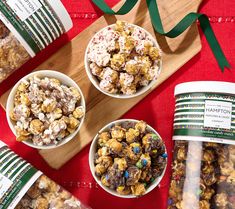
(45, 109)
(128, 158)
(123, 60)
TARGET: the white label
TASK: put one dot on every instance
(24, 8)
(5, 184)
(218, 114)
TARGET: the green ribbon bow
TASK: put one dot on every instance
(187, 21)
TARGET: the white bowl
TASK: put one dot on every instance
(51, 74)
(95, 81)
(93, 149)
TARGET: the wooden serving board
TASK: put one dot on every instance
(102, 109)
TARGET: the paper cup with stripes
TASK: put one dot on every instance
(205, 111)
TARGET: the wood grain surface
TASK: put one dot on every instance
(102, 109)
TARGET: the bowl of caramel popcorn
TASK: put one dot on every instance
(45, 109)
(128, 158)
(123, 60)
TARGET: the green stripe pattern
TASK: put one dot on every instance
(16, 170)
(189, 116)
(38, 30)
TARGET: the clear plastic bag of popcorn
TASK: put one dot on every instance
(24, 187)
(26, 28)
(203, 167)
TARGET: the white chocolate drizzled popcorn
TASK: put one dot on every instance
(123, 58)
(43, 118)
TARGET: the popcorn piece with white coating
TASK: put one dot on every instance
(126, 80)
(107, 86)
(110, 75)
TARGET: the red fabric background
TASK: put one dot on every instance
(75, 175)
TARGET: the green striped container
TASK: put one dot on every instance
(16, 177)
(35, 23)
(205, 111)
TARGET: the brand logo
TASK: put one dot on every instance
(218, 110)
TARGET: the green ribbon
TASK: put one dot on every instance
(126, 7)
(187, 21)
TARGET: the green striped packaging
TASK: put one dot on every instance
(205, 111)
(35, 23)
(16, 177)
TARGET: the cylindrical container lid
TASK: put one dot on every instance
(205, 111)
(205, 86)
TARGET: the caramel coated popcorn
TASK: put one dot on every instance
(129, 158)
(124, 58)
(46, 111)
(203, 176)
(46, 194)
(12, 53)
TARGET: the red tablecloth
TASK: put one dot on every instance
(75, 175)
